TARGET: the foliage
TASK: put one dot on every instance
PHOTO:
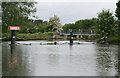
(118, 10)
(114, 39)
(35, 35)
(66, 27)
(118, 16)
(16, 13)
(106, 23)
(54, 24)
(5, 35)
(42, 28)
(86, 25)
(34, 26)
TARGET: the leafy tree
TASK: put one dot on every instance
(118, 15)
(37, 22)
(118, 10)
(84, 25)
(42, 28)
(54, 24)
(106, 24)
(66, 27)
(16, 13)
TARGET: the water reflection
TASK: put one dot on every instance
(12, 49)
(71, 46)
(12, 61)
(53, 58)
(106, 60)
(118, 61)
(0, 59)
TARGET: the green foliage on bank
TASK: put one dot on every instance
(114, 39)
(35, 35)
(6, 35)
(29, 36)
(84, 24)
(106, 26)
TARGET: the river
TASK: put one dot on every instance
(37, 58)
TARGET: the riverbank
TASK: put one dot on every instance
(49, 36)
(28, 36)
(114, 40)
(40, 36)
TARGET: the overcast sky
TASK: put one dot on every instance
(70, 11)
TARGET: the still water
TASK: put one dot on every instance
(37, 58)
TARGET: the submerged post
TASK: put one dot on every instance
(71, 37)
(12, 37)
(13, 29)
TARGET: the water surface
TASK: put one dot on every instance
(36, 58)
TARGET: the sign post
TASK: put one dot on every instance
(12, 37)
(13, 28)
(71, 37)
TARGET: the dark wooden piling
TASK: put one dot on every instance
(71, 38)
(12, 41)
(12, 37)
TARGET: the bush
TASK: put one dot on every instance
(6, 35)
(114, 39)
(35, 35)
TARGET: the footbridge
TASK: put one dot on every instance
(78, 34)
(75, 35)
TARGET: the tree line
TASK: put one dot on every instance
(17, 14)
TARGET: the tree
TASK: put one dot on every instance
(86, 24)
(16, 13)
(118, 10)
(67, 27)
(118, 15)
(106, 23)
(37, 22)
(54, 24)
(81, 25)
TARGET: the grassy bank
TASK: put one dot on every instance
(37, 36)
(48, 36)
(114, 40)
(29, 36)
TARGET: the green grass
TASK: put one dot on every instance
(5, 35)
(48, 35)
(34, 35)
(27, 36)
(114, 39)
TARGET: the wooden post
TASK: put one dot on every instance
(12, 49)
(12, 37)
(12, 41)
(71, 38)
(13, 29)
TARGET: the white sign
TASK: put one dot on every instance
(14, 28)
